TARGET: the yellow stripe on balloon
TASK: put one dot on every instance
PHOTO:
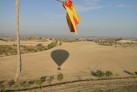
(72, 13)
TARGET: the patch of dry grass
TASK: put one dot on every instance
(116, 43)
(7, 50)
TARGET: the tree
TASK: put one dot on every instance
(60, 77)
(19, 65)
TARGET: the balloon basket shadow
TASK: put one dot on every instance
(59, 68)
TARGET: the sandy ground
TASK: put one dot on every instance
(79, 60)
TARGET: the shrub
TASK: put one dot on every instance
(93, 73)
(1, 82)
(60, 77)
(7, 50)
(100, 74)
(27, 85)
(24, 82)
(108, 74)
(43, 79)
(28, 49)
(40, 48)
(2, 88)
(31, 82)
(50, 79)
(16, 86)
(51, 45)
(10, 83)
(136, 72)
(38, 82)
(60, 43)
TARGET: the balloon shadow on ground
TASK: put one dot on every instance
(59, 56)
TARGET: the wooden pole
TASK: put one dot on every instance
(19, 65)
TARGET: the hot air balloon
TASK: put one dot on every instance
(72, 17)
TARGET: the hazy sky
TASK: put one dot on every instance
(48, 17)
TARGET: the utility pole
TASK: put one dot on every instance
(19, 65)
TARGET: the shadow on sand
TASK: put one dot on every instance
(59, 56)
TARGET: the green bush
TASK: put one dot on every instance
(28, 49)
(100, 74)
(53, 44)
(16, 86)
(60, 77)
(8, 50)
(2, 88)
(27, 85)
(38, 82)
(40, 48)
(108, 74)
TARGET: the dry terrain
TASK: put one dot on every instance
(94, 86)
(77, 60)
